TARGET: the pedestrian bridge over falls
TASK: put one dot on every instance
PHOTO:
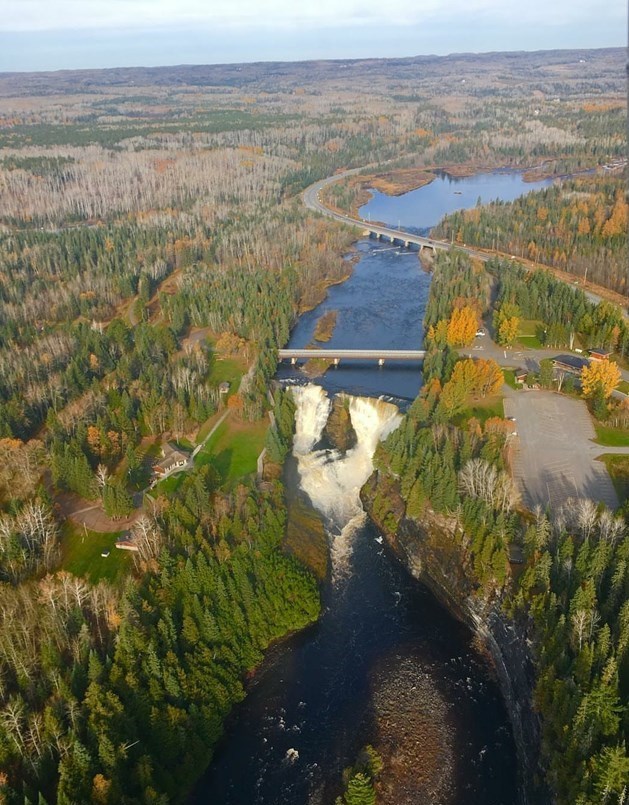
(336, 355)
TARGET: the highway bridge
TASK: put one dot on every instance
(312, 200)
(336, 355)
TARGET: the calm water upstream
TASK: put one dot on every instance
(386, 664)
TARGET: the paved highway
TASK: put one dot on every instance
(312, 200)
(354, 354)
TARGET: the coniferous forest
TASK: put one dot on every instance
(154, 254)
(570, 597)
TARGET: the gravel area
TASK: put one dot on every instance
(554, 456)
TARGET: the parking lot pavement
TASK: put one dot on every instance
(555, 458)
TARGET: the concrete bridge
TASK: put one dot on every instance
(336, 355)
(406, 239)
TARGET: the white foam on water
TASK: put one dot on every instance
(332, 480)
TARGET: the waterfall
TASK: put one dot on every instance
(333, 480)
(311, 414)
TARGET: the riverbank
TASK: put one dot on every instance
(322, 198)
(430, 555)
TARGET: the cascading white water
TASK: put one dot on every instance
(333, 480)
(311, 414)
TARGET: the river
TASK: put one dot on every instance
(386, 664)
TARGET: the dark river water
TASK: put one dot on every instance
(386, 664)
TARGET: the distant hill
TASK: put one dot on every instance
(259, 75)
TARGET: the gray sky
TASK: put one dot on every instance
(55, 34)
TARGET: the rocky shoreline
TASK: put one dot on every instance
(431, 557)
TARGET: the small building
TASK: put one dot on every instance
(599, 354)
(520, 375)
(171, 458)
(570, 363)
(224, 387)
(126, 544)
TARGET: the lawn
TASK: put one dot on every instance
(207, 426)
(529, 333)
(233, 448)
(623, 386)
(618, 468)
(169, 485)
(482, 410)
(81, 554)
(611, 437)
(227, 369)
(509, 376)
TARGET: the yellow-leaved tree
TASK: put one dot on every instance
(508, 331)
(507, 323)
(470, 378)
(462, 327)
(603, 375)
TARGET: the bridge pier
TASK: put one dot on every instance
(293, 361)
(380, 361)
(337, 361)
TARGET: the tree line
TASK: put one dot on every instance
(571, 600)
(578, 226)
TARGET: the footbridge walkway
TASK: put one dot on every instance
(336, 355)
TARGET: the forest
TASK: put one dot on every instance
(578, 226)
(151, 235)
(570, 597)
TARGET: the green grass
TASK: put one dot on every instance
(169, 485)
(228, 369)
(81, 554)
(529, 333)
(234, 448)
(207, 426)
(509, 376)
(623, 386)
(184, 444)
(611, 437)
(482, 410)
(618, 469)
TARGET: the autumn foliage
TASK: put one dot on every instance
(600, 376)
(507, 323)
(462, 327)
(470, 378)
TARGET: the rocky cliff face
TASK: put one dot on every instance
(432, 556)
(339, 432)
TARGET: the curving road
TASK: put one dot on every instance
(312, 200)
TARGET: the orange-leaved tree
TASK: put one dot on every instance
(462, 326)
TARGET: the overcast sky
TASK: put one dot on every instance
(55, 34)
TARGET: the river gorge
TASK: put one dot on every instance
(387, 664)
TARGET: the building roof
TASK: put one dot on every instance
(172, 454)
(600, 351)
(571, 362)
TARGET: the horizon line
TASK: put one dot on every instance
(5, 73)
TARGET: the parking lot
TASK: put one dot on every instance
(555, 458)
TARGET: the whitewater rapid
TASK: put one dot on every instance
(331, 479)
